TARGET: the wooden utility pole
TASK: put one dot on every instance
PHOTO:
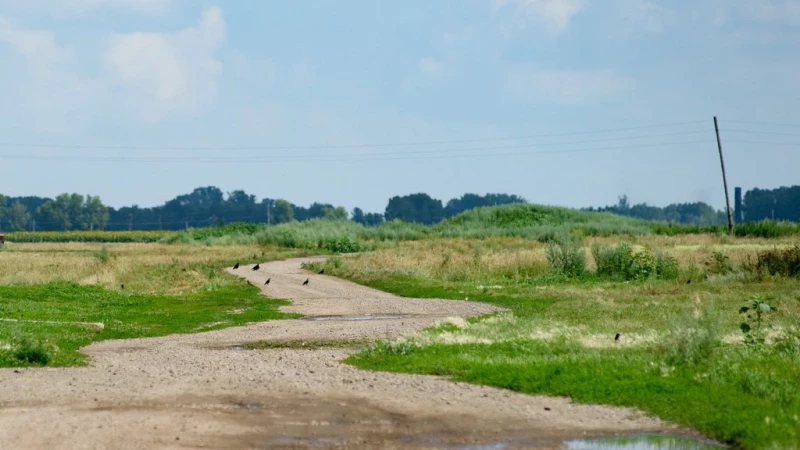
(724, 178)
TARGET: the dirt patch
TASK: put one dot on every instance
(204, 390)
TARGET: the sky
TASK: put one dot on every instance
(563, 102)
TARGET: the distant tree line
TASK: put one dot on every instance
(209, 206)
(758, 204)
(697, 213)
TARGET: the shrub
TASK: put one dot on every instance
(719, 263)
(788, 343)
(102, 254)
(566, 256)
(613, 262)
(30, 352)
(622, 263)
(344, 244)
(666, 266)
(785, 262)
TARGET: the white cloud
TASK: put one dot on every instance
(430, 66)
(178, 70)
(38, 47)
(555, 15)
(568, 87)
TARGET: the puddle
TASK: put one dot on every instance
(642, 442)
(359, 317)
(236, 347)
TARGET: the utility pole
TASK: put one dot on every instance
(724, 178)
(269, 212)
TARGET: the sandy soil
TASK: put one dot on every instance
(203, 391)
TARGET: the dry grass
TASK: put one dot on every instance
(461, 260)
(137, 266)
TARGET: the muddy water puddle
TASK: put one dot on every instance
(643, 442)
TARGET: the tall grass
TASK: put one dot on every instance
(85, 236)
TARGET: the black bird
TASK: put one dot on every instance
(122, 286)
(256, 267)
(616, 338)
(689, 281)
(305, 282)
(236, 266)
(321, 271)
(267, 282)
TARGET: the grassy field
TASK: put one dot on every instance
(571, 281)
(681, 356)
(56, 298)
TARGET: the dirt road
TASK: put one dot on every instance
(203, 391)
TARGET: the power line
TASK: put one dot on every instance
(352, 146)
(343, 158)
(740, 141)
(773, 124)
(771, 133)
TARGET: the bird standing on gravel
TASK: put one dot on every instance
(236, 266)
(256, 267)
(305, 282)
(321, 271)
(267, 282)
(616, 338)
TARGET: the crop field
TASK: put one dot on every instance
(697, 328)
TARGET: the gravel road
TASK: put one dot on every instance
(203, 391)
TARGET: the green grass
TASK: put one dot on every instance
(123, 315)
(85, 236)
(681, 356)
(306, 344)
(740, 398)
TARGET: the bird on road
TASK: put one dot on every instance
(321, 271)
(267, 282)
(616, 338)
(305, 282)
(236, 266)
(122, 286)
(256, 267)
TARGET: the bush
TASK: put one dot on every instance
(566, 256)
(30, 352)
(344, 244)
(622, 263)
(666, 266)
(719, 264)
(785, 262)
(613, 262)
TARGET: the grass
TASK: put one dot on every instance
(56, 298)
(306, 344)
(682, 356)
(85, 236)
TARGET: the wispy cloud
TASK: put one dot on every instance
(175, 69)
(554, 15)
(430, 66)
(568, 87)
(38, 47)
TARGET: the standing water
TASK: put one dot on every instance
(642, 442)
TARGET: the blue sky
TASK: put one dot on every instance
(140, 100)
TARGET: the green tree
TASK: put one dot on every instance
(55, 213)
(358, 215)
(419, 208)
(18, 217)
(338, 213)
(2, 210)
(94, 213)
(283, 211)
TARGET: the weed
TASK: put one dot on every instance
(566, 256)
(694, 338)
(784, 262)
(102, 255)
(719, 263)
(755, 314)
